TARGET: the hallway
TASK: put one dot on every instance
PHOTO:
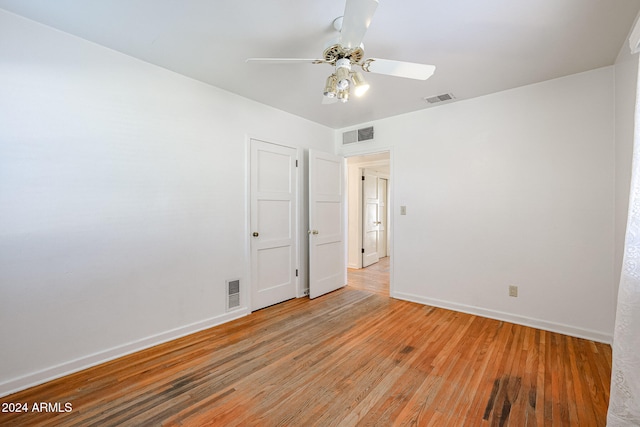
(374, 278)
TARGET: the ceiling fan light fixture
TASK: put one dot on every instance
(343, 95)
(330, 89)
(342, 75)
(359, 83)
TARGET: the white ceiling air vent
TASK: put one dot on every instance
(439, 98)
(358, 135)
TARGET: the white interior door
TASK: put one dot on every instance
(370, 221)
(382, 217)
(327, 240)
(273, 223)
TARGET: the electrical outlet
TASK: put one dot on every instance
(513, 291)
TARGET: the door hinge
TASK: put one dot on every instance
(296, 272)
(296, 163)
(362, 250)
(363, 177)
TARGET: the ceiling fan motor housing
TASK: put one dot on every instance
(335, 52)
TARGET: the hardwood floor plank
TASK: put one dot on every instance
(374, 278)
(352, 357)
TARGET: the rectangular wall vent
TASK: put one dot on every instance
(439, 98)
(358, 135)
(233, 294)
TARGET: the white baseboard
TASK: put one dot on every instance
(21, 383)
(509, 317)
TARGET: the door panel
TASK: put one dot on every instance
(275, 173)
(327, 263)
(325, 218)
(370, 223)
(273, 223)
(270, 263)
(274, 220)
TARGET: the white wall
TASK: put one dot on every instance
(123, 200)
(514, 188)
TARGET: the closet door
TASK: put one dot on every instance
(273, 223)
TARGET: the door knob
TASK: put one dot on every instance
(256, 234)
(315, 232)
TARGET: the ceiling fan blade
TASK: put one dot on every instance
(285, 60)
(357, 17)
(408, 70)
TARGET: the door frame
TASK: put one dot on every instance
(390, 203)
(300, 253)
(384, 236)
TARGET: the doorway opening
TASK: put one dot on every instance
(369, 222)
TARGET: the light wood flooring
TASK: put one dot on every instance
(352, 357)
(374, 278)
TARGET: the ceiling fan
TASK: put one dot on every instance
(347, 51)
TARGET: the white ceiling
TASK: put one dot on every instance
(478, 47)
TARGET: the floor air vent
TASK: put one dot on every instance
(439, 98)
(233, 294)
(358, 135)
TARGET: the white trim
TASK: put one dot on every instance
(247, 288)
(390, 222)
(301, 282)
(508, 317)
(76, 365)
